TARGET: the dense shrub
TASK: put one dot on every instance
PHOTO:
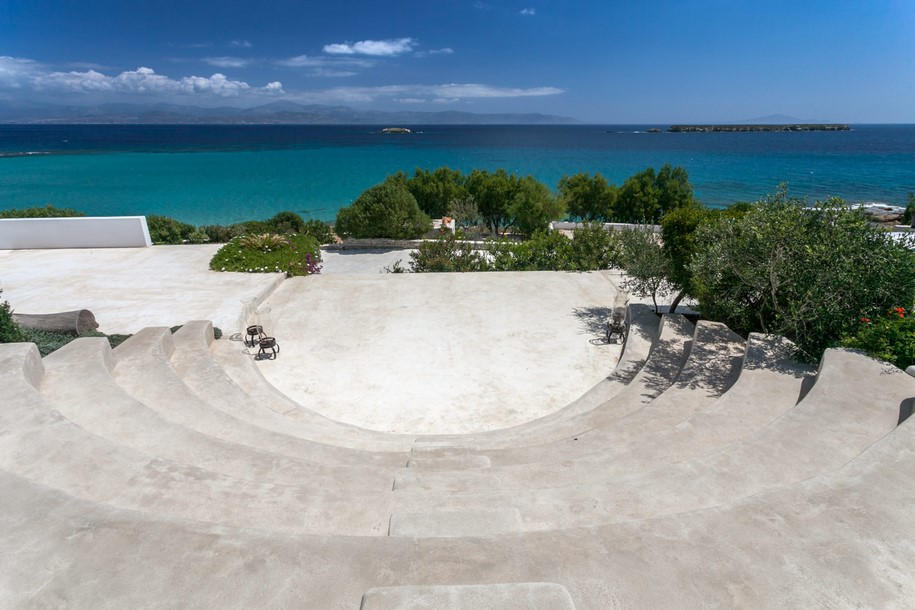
(807, 273)
(320, 231)
(593, 247)
(9, 330)
(890, 337)
(447, 253)
(291, 254)
(533, 206)
(908, 217)
(542, 252)
(648, 195)
(165, 230)
(387, 210)
(588, 198)
(47, 211)
(435, 191)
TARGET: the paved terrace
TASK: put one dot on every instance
(439, 352)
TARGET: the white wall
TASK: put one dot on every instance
(81, 232)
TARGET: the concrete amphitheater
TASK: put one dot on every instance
(704, 470)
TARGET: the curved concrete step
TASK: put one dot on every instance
(668, 354)
(195, 361)
(643, 325)
(40, 445)
(712, 367)
(78, 384)
(839, 540)
(503, 596)
(855, 402)
(143, 370)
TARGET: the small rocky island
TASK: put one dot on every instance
(396, 130)
(747, 128)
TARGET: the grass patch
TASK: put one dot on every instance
(269, 253)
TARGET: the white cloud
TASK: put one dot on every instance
(529, 12)
(375, 48)
(443, 93)
(227, 62)
(145, 81)
(410, 100)
(310, 61)
(442, 51)
(15, 72)
(241, 43)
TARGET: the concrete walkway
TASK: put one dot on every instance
(439, 353)
(129, 288)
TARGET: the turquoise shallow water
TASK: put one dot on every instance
(205, 174)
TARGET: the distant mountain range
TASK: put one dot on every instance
(276, 113)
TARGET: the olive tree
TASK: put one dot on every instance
(809, 273)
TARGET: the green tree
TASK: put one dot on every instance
(436, 191)
(646, 264)
(493, 194)
(386, 210)
(533, 206)
(588, 198)
(648, 195)
(47, 211)
(807, 273)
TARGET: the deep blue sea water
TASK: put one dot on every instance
(207, 174)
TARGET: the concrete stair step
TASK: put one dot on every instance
(267, 406)
(502, 596)
(78, 384)
(455, 523)
(143, 369)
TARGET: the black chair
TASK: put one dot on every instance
(269, 348)
(254, 335)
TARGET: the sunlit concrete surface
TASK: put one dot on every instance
(129, 288)
(363, 261)
(439, 353)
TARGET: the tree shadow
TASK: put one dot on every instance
(593, 321)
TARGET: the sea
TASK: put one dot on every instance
(206, 174)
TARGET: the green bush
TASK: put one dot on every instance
(593, 248)
(542, 252)
(435, 191)
(446, 253)
(165, 230)
(387, 210)
(648, 195)
(908, 217)
(588, 198)
(321, 231)
(221, 234)
(533, 206)
(48, 211)
(890, 337)
(198, 237)
(9, 330)
(806, 273)
(300, 255)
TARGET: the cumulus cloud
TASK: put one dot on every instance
(529, 12)
(377, 48)
(18, 73)
(227, 62)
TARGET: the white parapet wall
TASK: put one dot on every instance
(78, 232)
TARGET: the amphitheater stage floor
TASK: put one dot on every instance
(439, 353)
(129, 288)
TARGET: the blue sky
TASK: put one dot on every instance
(626, 61)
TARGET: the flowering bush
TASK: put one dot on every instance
(891, 337)
(290, 254)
